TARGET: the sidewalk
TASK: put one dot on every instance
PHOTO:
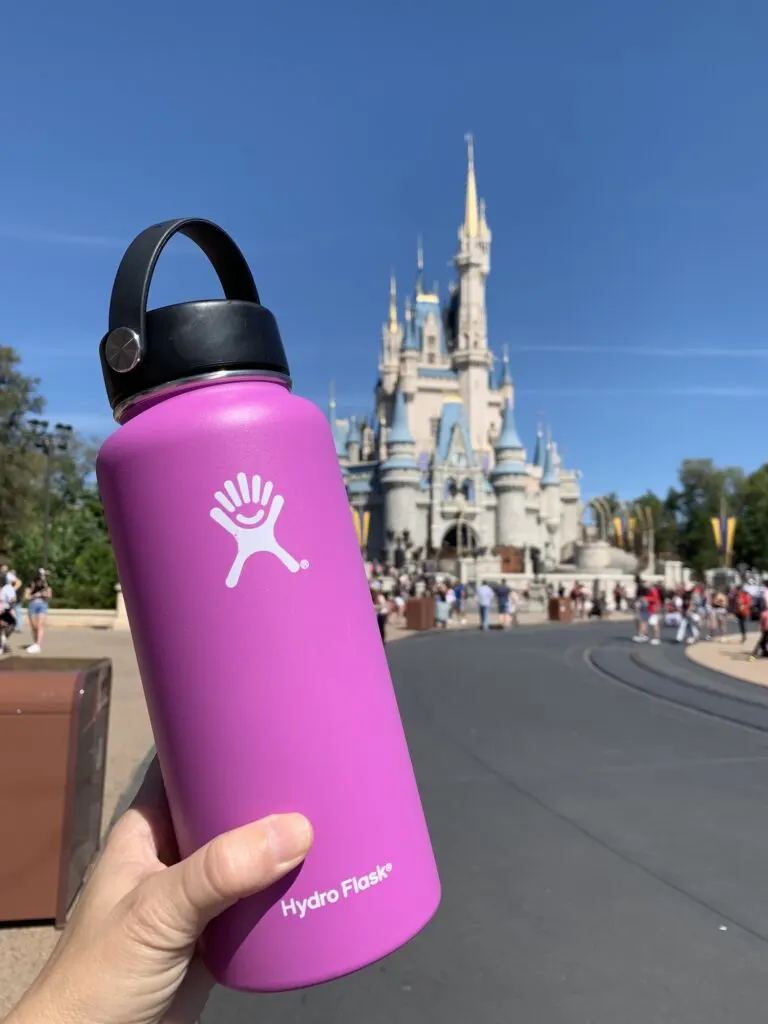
(731, 658)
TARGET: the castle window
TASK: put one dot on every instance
(430, 357)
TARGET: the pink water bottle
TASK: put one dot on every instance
(265, 678)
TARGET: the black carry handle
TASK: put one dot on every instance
(128, 304)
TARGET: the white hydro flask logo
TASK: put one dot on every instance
(256, 510)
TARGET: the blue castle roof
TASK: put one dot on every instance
(508, 439)
(340, 435)
(399, 432)
(539, 453)
(453, 415)
(411, 337)
(549, 477)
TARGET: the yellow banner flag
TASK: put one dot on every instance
(619, 530)
(731, 533)
(717, 532)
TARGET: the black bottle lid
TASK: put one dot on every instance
(145, 350)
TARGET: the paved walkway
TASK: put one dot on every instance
(731, 658)
(23, 951)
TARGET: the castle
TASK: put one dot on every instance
(441, 469)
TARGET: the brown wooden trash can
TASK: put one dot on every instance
(420, 613)
(560, 609)
(54, 714)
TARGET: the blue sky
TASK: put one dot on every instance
(621, 149)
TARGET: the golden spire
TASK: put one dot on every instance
(471, 219)
(392, 303)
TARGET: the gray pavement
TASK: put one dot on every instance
(603, 850)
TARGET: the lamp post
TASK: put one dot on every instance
(49, 441)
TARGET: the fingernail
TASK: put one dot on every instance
(290, 836)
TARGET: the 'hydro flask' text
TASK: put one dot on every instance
(349, 887)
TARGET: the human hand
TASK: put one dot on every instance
(127, 955)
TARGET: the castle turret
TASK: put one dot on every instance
(354, 441)
(409, 354)
(505, 384)
(539, 452)
(550, 501)
(471, 357)
(399, 473)
(391, 343)
(509, 479)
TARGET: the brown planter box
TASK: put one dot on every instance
(420, 613)
(54, 714)
(560, 609)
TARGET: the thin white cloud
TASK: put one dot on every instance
(677, 352)
(650, 392)
(60, 238)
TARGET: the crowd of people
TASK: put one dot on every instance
(13, 597)
(698, 612)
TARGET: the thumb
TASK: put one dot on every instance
(181, 900)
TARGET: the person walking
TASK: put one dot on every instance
(37, 595)
(742, 610)
(689, 621)
(485, 597)
(761, 647)
(502, 596)
(7, 614)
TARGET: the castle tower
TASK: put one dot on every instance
(539, 452)
(391, 343)
(506, 387)
(354, 441)
(550, 502)
(409, 355)
(472, 359)
(509, 479)
(399, 474)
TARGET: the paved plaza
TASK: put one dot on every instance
(597, 810)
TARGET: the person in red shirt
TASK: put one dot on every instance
(742, 609)
(653, 606)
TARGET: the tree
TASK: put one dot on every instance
(704, 490)
(20, 463)
(751, 540)
(80, 562)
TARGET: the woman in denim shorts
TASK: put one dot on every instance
(37, 595)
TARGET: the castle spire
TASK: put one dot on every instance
(508, 439)
(399, 432)
(332, 402)
(506, 377)
(392, 303)
(549, 477)
(471, 218)
(419, 267)
(539, 450)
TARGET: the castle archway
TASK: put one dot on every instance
(459, 540)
